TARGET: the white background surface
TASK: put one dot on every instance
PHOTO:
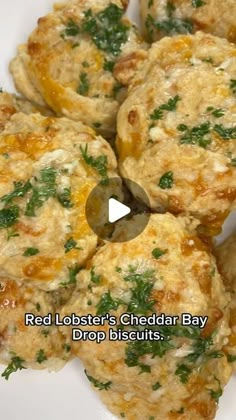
(35, 395)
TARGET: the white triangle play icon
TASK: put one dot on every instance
(117, 210)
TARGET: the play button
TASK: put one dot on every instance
(111, 205)
(117, 210)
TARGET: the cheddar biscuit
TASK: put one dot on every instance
(165, 270)
(69, 59)
(163, 18)
(176, 129)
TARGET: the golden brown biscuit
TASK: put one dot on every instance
(22, 346)
(164, 17)
(176, 129)
(48, 167)
(166, 270)
(69, 59)
(226, 257)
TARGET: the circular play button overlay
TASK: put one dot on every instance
(114, 214)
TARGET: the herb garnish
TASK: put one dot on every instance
(15, 364)
(45, 189)
(140, 302)
(215, 395)
(198, 3)
(156, 386)
(157, 253)
(71, 244)
(29, 252)
(196, 135)
(233, 85)
(41, 356)
(225, 133)
(95, 278)
(72, 29)
(99, 163)
(108, 65)
(183, 371)
(216, 112)
(168, 26)
(166, 181)
(20, 189)
(73, 271)
(64, 198)
(100, 385)
(107, 304)
(84, 84)
(9, 216)
(106, 28)
(231, 358)
(169, 106)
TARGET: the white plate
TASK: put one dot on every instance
(35, 395)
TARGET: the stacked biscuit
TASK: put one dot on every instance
(85, 73)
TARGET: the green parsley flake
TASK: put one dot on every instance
(71, 244)
(216, 112)
(73, 271)
(158, 113)
(107, 303)
(157, 253)
(84, 84)
(231, 358)
(106, 28)
(9, 216)
(29, 252)
(20, 190)
(198, 135)
(100, 385)
(95, 278)
(156, 386)
(15, 364)
(166, 181)
(233, 85)
(72, 29)
(108, 65)
(198, 3)
(41, 356)
(183, 371)
(168, 26)
(225, 133)
(99, 163)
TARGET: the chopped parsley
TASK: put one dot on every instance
(140, 302)
(85, 64)
(215, 395)
(15, 364)
(38, 306)
(116, 89)
(11, 233)
(169, 106)
(41, 356)
(198, 3)
(231, 358)
(100, 385)
(29, 252)
(171, 26)
(45, 188)
(108, 65)
(183, 371)
(166, 181)
(45, 333)
(9, 216)
(99, 163)
(233, 85)
(156, 386)
(95, 278)
(150, 3)
(198, 135)
(225, 133)
(71, 244)
(84, 84)
(20, 190)
(106, 28)
(67, 347)
(107, 304)
(157, 253)
(72, 29)
(73, 271)
(97, 124)
(216, 112)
